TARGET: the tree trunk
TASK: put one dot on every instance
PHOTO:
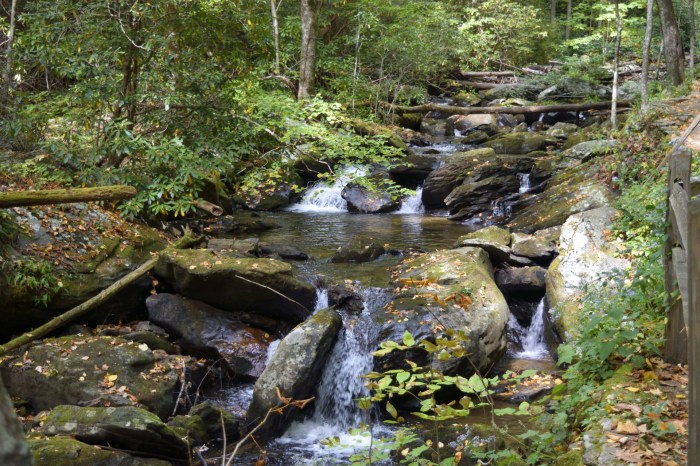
(673, 46)
(616, 65)
(567, 31)
(309, 24)
(692, 39)
(7, 71)
(646, 56)
(274, 6)
(61, 196)
(553, 11)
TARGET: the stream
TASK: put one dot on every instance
(318, 225)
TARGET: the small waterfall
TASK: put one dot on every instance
(322, 197)
(336, 409)
(413, 204)
(501, 208)
(532, 337)
(321, 299)
(524, 179)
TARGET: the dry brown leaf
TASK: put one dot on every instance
(627, 428)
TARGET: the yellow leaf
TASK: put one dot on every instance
(632, 389)
(111, 377)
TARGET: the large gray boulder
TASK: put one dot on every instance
(586, 257)
(295, 369)
(13, 447)
(533, 247)
(264, 286)
(521, 279)
(361, 199)
(126, 427)
(203, 330)
(446, 289)
(574, 89)
(93, 370)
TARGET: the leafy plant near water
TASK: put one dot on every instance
(36, 275)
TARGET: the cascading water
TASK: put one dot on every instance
(524, 179)
(500, 208)
(413, 204)
(336, 409)
(531, 338)
(322, 197)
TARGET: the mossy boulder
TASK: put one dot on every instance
(64, 451)
(126, 427)
(586, 257)
(519, 143)
(295, 369)
(13, 447)
(271, 195)
(574, 190)
(587, 150)
(359, 250)
(533, 247)
(205, 331)
(492, 239)
(493, 234)
(264, 286)
(361, 199)
(446, 289)
(81, 369)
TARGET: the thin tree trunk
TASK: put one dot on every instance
(692, 39)
(673, 46)
(7, 71)
(274, 6)
(646, 56)
(309, 10)
(618, 40)
(553, 11)
(569, 7)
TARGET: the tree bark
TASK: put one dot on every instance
(692, 38)
(309, 10)
(673, 46)
(553, 11)
(61, 196)
(68, 316)
(452, 110)
(567, 31)
(274, 6)
(7, 71)
(646, 57)
(616, 65)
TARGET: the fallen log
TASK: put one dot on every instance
(68, 316)
(209, 207)
(486, 74)
(477, 85)
(60, 196)
(453, 110)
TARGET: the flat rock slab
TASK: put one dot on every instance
(264, 286)
(59, 451)
(92, 370)
(126, 427)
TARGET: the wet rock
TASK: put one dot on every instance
(246, 223)
(493, 234)
(521, 279)
(533, 247)
(574, 190)
(76, 370)
(475, 197)
(361, 199)
(464, 123)
(586, 257)
(263, 286)
(13, 447)
(444, 179)
(433, 126)
(345, 297)
(516, 90)
(359, 250)
(519, 143)
(295, 369)
(204, 423)
(410, 121)
(456, 285)
(245, 247)
(494, 240)
(62, 451)
(205, 331)
(474, 137)
(414, 169)
(282, 251)
(126, 427)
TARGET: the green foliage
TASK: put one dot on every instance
(36, 275)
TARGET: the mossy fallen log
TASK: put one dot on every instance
(61, 196)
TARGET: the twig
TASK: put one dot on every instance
(182, 387)
(223, 430)
(274, 291)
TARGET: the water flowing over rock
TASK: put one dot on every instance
(450, 288)
(203, 330)
(295, 369)
(75, 370)
(61, 451)
(264, 286)
(126, 427)
(586, 256)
